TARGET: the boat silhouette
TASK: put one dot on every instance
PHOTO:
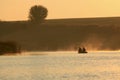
(82, 50)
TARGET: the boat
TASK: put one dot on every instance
(82, 50)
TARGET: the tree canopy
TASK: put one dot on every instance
(38, 13)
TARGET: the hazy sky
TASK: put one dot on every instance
(19, 9)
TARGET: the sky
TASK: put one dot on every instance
(11, 10)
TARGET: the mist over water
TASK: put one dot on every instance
(61, 66)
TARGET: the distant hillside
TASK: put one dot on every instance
(64, 34)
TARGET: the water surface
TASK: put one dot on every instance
(61, 66)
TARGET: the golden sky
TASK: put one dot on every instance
(19, 9)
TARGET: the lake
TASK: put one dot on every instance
(61, 66)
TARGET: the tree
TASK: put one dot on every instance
(38, 13)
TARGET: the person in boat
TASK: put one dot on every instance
(79, 50)
(82, 50)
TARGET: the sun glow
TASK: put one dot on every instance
(60, 9)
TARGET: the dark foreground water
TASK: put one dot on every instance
(61, 66)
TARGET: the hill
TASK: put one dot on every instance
(64, 34)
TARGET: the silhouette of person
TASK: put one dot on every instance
(84, 50)
(79, 50)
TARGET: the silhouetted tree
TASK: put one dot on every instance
(38, 13)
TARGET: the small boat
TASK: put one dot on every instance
(82, 50)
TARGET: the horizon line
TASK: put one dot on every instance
(62, 18)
